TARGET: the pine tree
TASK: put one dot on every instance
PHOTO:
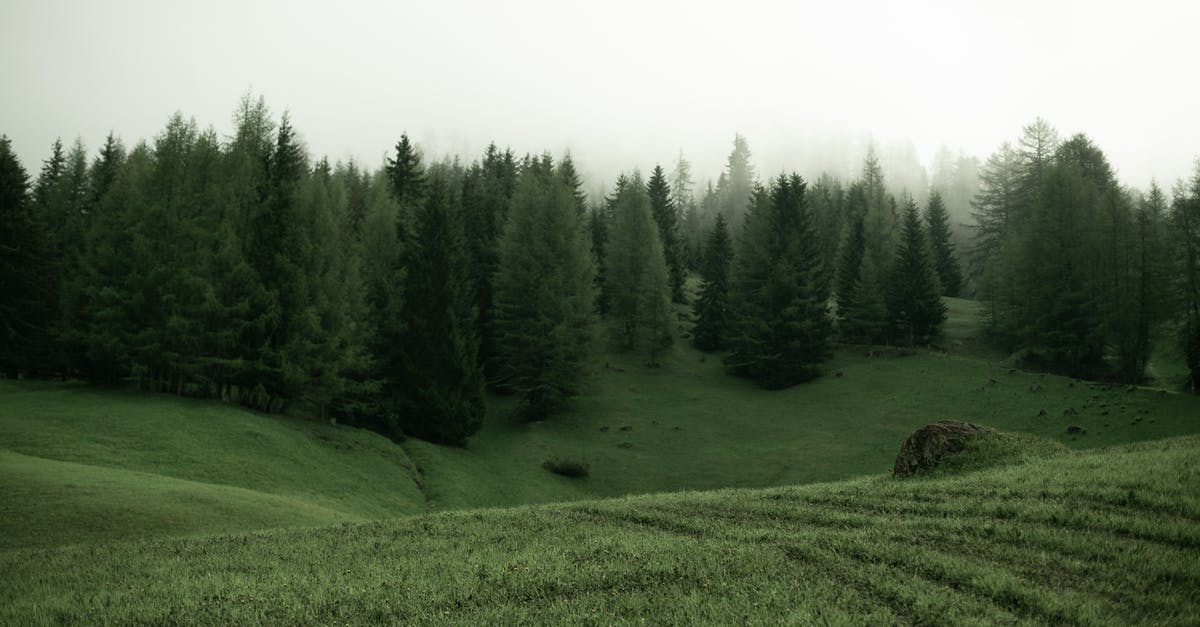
(23, 269)
(1185, 223)
(570, 177)
(439, 391)
(405, 174)
(736, 184)
(995, 215)
(712, 307)
(849, 272)
(688, 212)
(781, 324)
(915, 307)
(545, 295)
(949, 275)
(637, 281)
(487, 192)
(662, 205)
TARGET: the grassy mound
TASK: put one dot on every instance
(83, 464)
(1098, 536)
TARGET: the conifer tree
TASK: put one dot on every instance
(736, 184)
(405, 173)
(948, 272)
(712, 307)
(487, 192)
(637, 281)
(439, 390)
(662, 205)
(781, 325)
(1185, 223)
(570, 177)
(544, 295)
(23, 269)
(914, 303)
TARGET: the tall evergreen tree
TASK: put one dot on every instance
(915, 307)
(712, 307)
(944, 261)
(23, 269)
(736, 185)
(1185, 223)
(637, 280)
(405, 173)
(487, 192)
(666, 216)
(781, 324)
(439, 391)
(545, 295)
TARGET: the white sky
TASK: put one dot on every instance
(621, 84)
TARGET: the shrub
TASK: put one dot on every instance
(566, 467)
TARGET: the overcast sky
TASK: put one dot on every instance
(620, 84)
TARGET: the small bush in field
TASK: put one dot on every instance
(566, 467)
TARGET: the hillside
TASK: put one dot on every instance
(83, 464)
(79, 464)
(1089, 537)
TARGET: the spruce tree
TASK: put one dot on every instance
(781, 324)
(405, 173)
(712, 306)
(662, 205)
(949, 274)
(914, 303)
(487, 192)
(439, 390)
(544, 295)
(23, 269)
(637, 282)
(736, 184)
(1185, 223)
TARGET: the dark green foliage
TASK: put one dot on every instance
(544, 296)
(781, 324)
(572, 468)
(570, 178)
(405, 174)
(828, 199)
(1185, 222)
(861, 311)
(666, 216)
(712, 308)
(487, 190)
(24, 270)
(944, 261)
(637, 282)
(914, 303)
(439, 388)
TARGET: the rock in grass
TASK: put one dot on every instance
(923, 449)
(1075, 429)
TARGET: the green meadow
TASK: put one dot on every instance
(707, 500)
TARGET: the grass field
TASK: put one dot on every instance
(114, 465)
(1086, 537)
(125, 507)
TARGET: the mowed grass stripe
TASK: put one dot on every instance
(841, 552)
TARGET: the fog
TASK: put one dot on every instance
(619, 84)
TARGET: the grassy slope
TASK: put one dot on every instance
(690, 427)
(1089, 537)
(112, 465)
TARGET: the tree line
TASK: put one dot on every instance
(1082, 274)
(244, 270)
